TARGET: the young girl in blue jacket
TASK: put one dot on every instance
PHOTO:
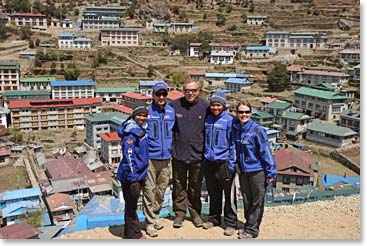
(133, 166)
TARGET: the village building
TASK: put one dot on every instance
(196, 74)
(355, 73)
(9, 76)
(146, 87)
(72, 41)
(61, 208)
(98, 17)
(66, 23)
(112, 94)
(314, 77)
(173, 27)
(120, 37)
(284, 39)
(256, 20)
(195, 50)
(350, 118)
(20, 230)
(25, 95)
(36, 83)
(218, 79)
(350, 56)
(4, 111)
(111, 152)
(329, 134)
(129, 99)
(263, 118)
(258, 52)
(35, 21)
(223, 53)
(4, 155)
(65, 89)
(326, 105)
(96, 124)
(294, 124)
(295, 169)
(266, 100)
(237, 84)
(122, 109)
(278, 109)
(30, 115)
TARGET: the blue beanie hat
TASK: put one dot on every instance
(218, 97)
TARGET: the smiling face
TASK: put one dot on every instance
(216, 108)
(243, 113)
(141, 118)
(191, 91)
(160, 98)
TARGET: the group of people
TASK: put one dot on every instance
(201, 140)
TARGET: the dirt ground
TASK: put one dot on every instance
(333, 219)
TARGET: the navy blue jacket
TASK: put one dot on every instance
(188, 132)
(253, 149)
(134, 163)
(218, 139)
(160, 124)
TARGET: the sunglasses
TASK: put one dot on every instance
(244, 112)
(190, 90)
(159, 94)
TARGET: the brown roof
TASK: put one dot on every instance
(59, 202)
(5, 151)
(21, 230)
(199, 72)
(268, 99)
(65, 167)
(290, 158)
(294, 68)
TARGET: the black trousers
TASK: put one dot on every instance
(219, 179)
(131, 193)
(253, 191)
(187, 181)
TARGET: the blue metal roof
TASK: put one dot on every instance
(330, 179)
(67, 35)
(149, 82)
(162, 24)
(262, 48)
(19, 208)
(18, 194)
(72, 82)
(237, 81)
(227, 75)
(223, 91)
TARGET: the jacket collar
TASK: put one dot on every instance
(131, 126)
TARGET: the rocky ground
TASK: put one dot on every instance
(333, 219)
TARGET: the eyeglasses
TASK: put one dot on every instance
(244, 112)
(159, 94)
(190, 90)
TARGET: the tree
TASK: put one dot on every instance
(176, 10)
(229, 8)
(17, 135)
(53, 68)
(38, 41)
(221, 20)
(150, 72)
(251, 7)
(278, 78)
(244, 17)
(71, 72)
(31, 43)
(179, 77)
(19, 6)
(25, 33)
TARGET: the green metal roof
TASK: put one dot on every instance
(39, 79)
(319, 93)
(262, 115)
(9, 65)
(25, 93)
(279, 105)
(295, 116)
(330, 129)
(116, 89)
(107, 116)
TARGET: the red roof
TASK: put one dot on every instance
(4, 151)
(195, 44)
(225, 44)
(196, 72)
(268, 99)
(20, 230)
(111, 136)
(66, 167)
(172, 95)
(135, 95)
(53, 103)
(123, 109)
(287, 159)
(29, 14)
(59, 202)
(294, 68)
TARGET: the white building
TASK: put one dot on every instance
(355, 73)
(9, 76)
(223, 53)
(350, 56)
(282, 39)
(314, 77)
(111, 149)
(72, 89)
(36, 21)
(258, 52)
(72, 41)
(256, 20)
(172, 27)
(195, 50)
(120, 37)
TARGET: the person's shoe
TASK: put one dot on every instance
(151, 231)
(229, 231)
(208, 225)
(159, 224)
(197, 221)
(178, 222)
(245, 235)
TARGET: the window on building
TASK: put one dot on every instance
(299, 181)
(286, 180)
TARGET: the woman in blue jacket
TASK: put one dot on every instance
(219, 165)
(133, 166)
(257, 167)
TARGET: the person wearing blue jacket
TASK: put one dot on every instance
(133, 166)
(257, 167)
(161, 119)
(219, 165)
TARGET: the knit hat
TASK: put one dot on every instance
(218, 97)
(160, 86)
(140, 107)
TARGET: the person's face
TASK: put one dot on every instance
(160, 97)
(191, 91)
(141, 118)
(243, 114)
(216, 108)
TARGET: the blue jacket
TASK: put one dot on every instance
(134, 163)
(218, 139)
(160, 124)
(253, 149)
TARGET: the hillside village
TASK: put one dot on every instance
(70, 74)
